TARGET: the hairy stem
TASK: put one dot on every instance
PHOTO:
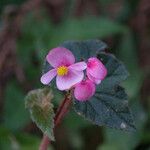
(61, 112)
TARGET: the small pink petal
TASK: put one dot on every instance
(60, 56)
(66, 82)
(84, 90)
(92, 86)
(96, 81)
(47, 77)
(78, 66)
(96, 69)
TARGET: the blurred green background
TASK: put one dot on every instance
(28, 29)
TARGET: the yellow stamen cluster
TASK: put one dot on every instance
(62, 70)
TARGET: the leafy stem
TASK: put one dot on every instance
(61, 112)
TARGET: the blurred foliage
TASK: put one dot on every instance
(39, 34)
(12, 118)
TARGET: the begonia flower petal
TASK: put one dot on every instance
(60, 56)
(96, 81)
(66, 82)
(79, 66)
(47, 77)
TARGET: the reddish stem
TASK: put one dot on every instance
(63, 109)
(45, 142)
(61, 112)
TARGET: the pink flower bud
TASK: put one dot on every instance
(84, 90)
(96, 71)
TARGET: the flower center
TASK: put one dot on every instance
(62, 70)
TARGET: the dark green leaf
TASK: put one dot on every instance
(108, 108)
(85, 49)
(41, 110)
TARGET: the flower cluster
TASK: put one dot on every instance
(71, 75)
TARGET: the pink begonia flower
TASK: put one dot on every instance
(96, 71)
(67, 72)
(84, 90)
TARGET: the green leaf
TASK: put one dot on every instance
(108, 108)
(41, 110)
(84, 49)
